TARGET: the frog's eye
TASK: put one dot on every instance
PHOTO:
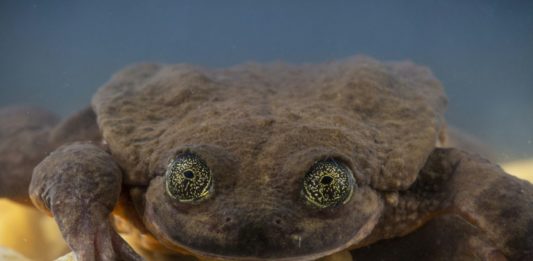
(328, 183)
(188, 179)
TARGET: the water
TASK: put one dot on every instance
(57, 53)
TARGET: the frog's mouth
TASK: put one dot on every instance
(260, 242)
(225, 228)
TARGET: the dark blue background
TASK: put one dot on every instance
(56, 53)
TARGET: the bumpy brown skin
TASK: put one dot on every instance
(260, 128)
(79, 185)
(23, 143)
(27, 135)
(497, 207)
(447, 237)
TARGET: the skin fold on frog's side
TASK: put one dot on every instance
(263, 161)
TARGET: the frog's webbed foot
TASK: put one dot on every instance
(79, 184)
(498, 204)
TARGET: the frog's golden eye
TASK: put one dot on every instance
(328, 183)
(188, 179)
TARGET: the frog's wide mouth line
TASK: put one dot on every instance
(356, 237)
(312, 256)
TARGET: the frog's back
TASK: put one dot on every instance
(390, 114)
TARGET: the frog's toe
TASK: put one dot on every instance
(101, 243)
(79, 185)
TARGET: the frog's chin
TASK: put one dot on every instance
(202, 255)
(314, 256)
(309, 256)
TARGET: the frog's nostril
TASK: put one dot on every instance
(277, 221)
(228, 219)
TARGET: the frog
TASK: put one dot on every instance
(261, 161)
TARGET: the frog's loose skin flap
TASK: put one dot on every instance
(24, 134)
(452, 182)
(443, 238)
(492, 200)
(27, 135)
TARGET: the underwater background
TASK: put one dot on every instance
(55, 54)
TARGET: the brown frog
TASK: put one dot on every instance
(276, 161)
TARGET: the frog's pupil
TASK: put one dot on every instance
(326, 180)
(188, 174)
